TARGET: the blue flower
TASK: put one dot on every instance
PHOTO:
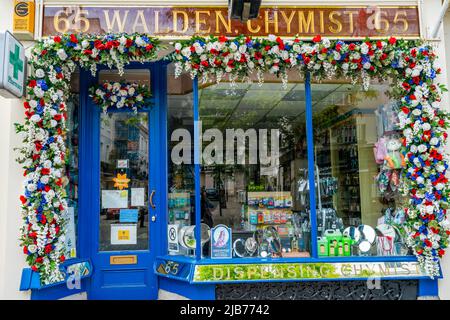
(42, 84)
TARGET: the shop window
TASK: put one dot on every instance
(181, 183)
(124, 172)
(254, 160)
(358, 171)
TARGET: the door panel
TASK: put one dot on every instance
(120, 228)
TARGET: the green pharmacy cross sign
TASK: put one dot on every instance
(12, 66)
(17, 63)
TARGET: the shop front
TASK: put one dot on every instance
(181, 154)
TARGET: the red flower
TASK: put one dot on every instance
(405, 110)
(57, 39)
(441, 122)
(62, 258)
(87, 52)
(38, 146)
(204, 63)
(392, 40)
(317, 38)
(45, 171)
(23, 199)
(25, 250)
(44, 52)
(43, 219)
(48, 248)
(441, 252)
(379, 44)
(129, 43)
(222, 39)
(57, 117)
(73, 38)
(149, 47)
(47, 188)
(34, 268)
(26, 105)
(32, 234)
(32, 83)
(39, 260)
(351, 46)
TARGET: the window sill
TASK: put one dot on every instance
(287, 269)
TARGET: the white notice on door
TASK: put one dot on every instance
(114, 199)
(123, 234)
(137, 197)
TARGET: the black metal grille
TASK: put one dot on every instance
(320, 290)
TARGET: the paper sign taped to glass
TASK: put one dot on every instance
(114, 199)
(123, 234)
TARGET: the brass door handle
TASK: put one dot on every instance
(151, 199)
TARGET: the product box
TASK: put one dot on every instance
(253, 217)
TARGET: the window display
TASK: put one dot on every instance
(359, 171)
(254, 178)
(254, 160)
(181, 187)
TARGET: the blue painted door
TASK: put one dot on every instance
(120, 193)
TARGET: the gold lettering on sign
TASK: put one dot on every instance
(110, 25)
(140, 21)
(185, 21)
(250, 27)
(346, 21)
(199, 22)
(225, 23)
(403, 20)
(337, 23)
(269, 21)
(156, 21)
(288, 20)
(350, 19)
(322, 24)
(306, 25)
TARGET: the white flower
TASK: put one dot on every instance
(35, 118)
(272, 37)
(44, 179)
(139, 97)
(40, 73)
(422, 148)
(131, 91)
(178, 46)
(62, 54)
(426, 126)
(32, 248)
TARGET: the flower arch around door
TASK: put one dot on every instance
(410, 65)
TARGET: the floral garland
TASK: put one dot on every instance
(412, 67)
(43, 151)
(119, 95)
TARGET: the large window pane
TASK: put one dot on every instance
(358, 163)
(181, 186)
(254, 163)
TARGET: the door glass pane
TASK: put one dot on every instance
(124, 167)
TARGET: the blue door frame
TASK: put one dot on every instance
(134, 281)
